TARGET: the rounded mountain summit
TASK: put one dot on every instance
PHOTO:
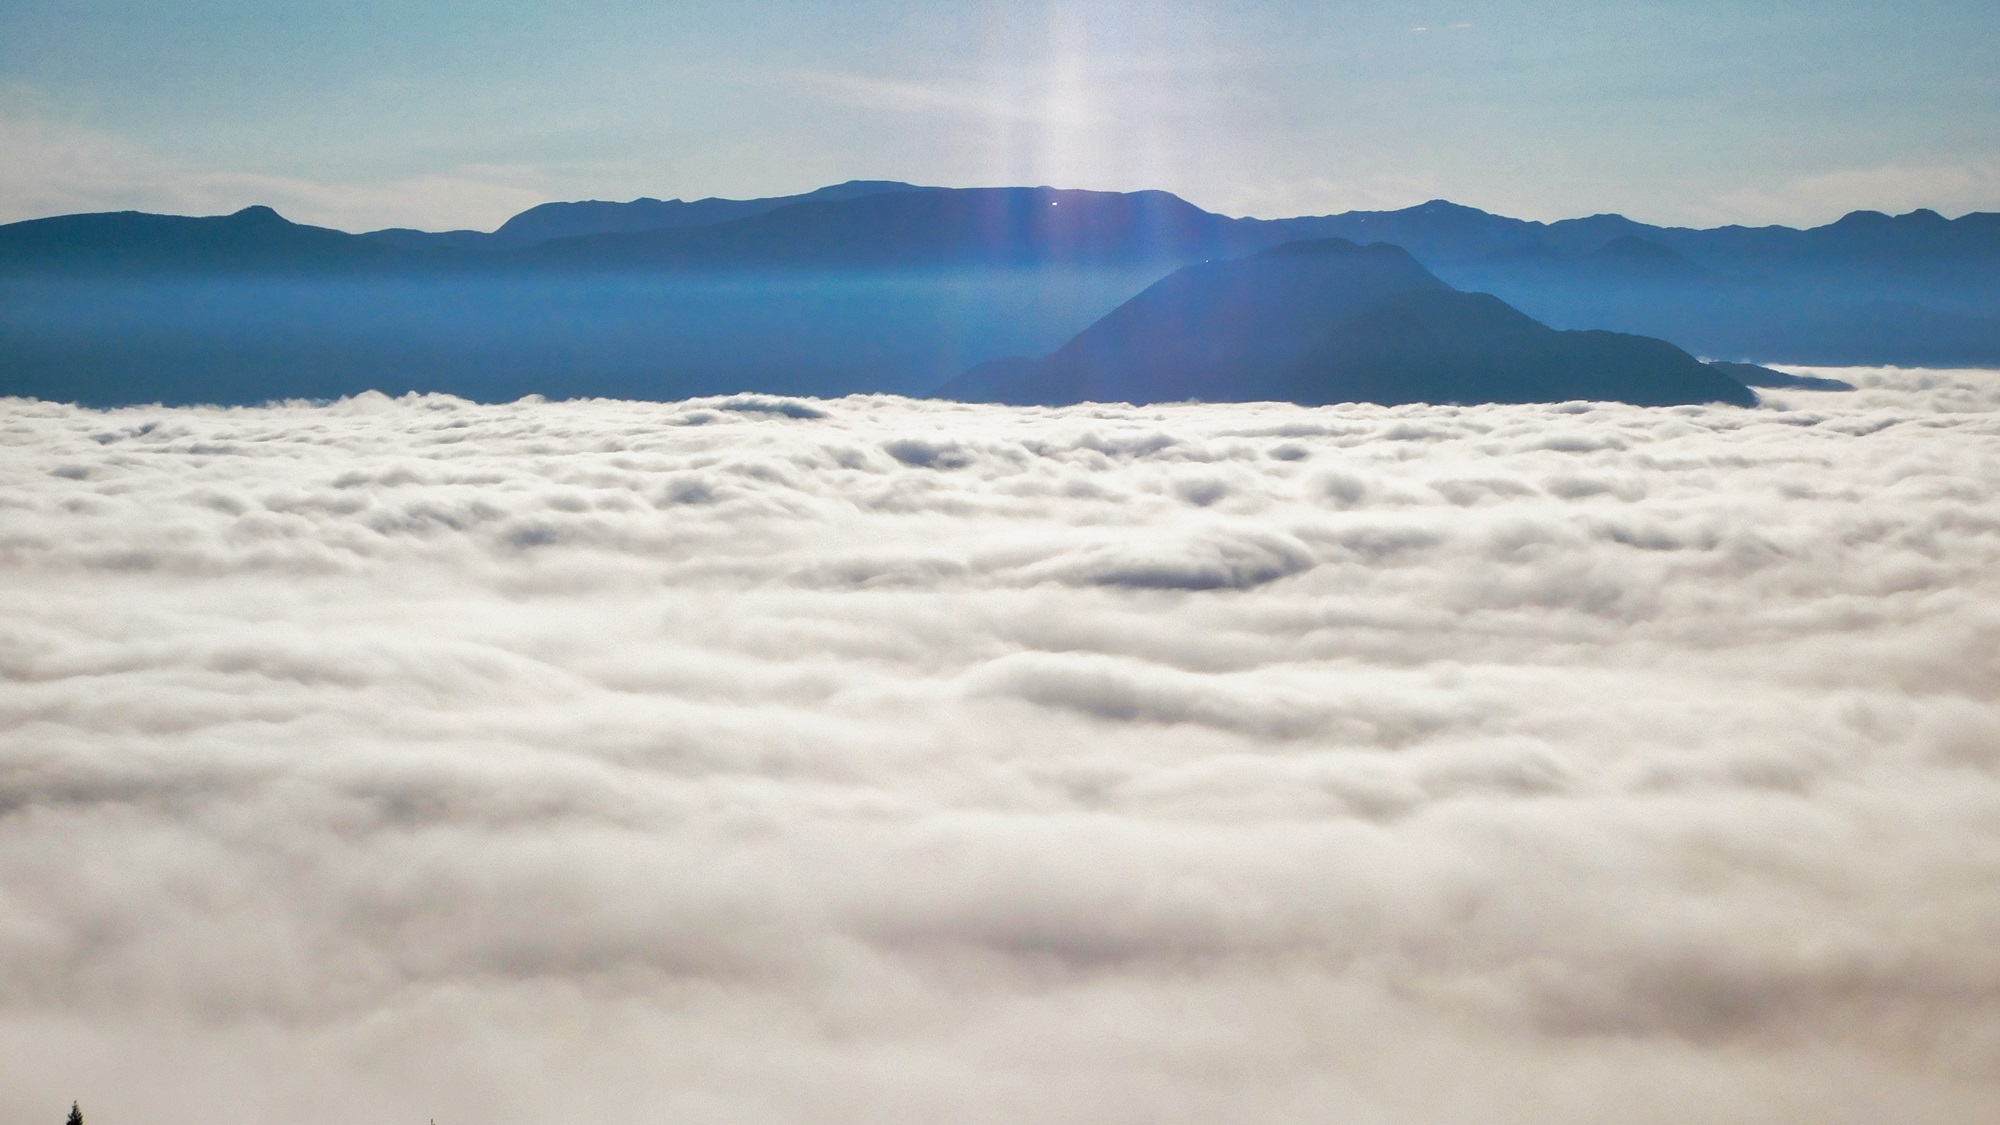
(1327, 320)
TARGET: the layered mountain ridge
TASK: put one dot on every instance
(883, 286)
(865, 224)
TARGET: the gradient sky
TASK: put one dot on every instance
(438, 113)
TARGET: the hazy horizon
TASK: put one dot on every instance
(433, 116)
(783, 194)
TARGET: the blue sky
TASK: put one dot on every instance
(435, 113)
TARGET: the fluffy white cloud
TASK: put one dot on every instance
(888, 761)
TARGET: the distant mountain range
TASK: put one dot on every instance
(569, 220)
(1326, 321)
(886, 224)
(850, 227)
(255, 240)
(879, 285)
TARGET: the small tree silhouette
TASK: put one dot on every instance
(75, 1115)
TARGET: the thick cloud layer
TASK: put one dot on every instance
(884, 761)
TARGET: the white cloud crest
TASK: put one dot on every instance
(888, 761)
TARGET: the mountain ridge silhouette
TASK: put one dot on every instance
(845, 225)
(884, 286)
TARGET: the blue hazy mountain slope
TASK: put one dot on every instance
(588, 217)
(1329, 321)
(1216, 330)
(873, 223)
(888, 289)
(253, 240)
(105, 341)
(1871, 288)
(1004, 227)
(1836, 321)
(1448, 346)
(571, 220)
(406, 238)
(1754, 375)
(1444, 233)
(1439, 231)
(1631, 257)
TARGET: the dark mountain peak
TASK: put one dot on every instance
(855, 189)
(846, 189)
(1330, 321)
(549, 221)
(930, 228)
(1582, 236)
(258, 213)
(1447, 207)
(1218, 329)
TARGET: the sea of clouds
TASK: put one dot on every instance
(883, 761)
